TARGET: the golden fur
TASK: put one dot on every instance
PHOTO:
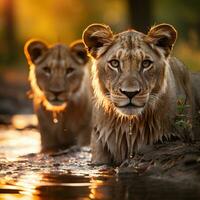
(59, 79)
(137, 85)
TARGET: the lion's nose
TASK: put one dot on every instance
(56, 92)
(130, 94)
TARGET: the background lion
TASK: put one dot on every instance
(61, 92)
(142, 94)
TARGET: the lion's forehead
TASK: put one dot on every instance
(130, 39)
(59, 55)
(131, 45)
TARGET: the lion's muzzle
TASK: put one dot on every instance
(57, 97)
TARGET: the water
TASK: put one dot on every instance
(29, 175)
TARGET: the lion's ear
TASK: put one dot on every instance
(34, 49)
(97, 38)
(163, 36)
(79, 52)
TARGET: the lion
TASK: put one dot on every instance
(142, 94)
(59, 79)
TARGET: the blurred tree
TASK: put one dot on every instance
(9, 29)
(140, 12)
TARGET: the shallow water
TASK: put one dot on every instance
(26, 174)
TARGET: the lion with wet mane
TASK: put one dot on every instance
(60, 89)
(137, 85)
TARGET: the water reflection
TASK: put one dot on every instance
(51, 186)
(22, 121)
(68, 186)
(23, 188)
(15, 143)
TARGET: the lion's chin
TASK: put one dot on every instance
(55, 105)
(130, 110)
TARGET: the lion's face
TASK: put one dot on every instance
(58, 70)
(130, 67)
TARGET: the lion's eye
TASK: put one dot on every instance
(69, 70)
(146, 63)
(47, 70)
(114, 63)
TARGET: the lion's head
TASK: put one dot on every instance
(56, 72)
(129, 68)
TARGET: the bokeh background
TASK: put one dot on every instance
(64, 21)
